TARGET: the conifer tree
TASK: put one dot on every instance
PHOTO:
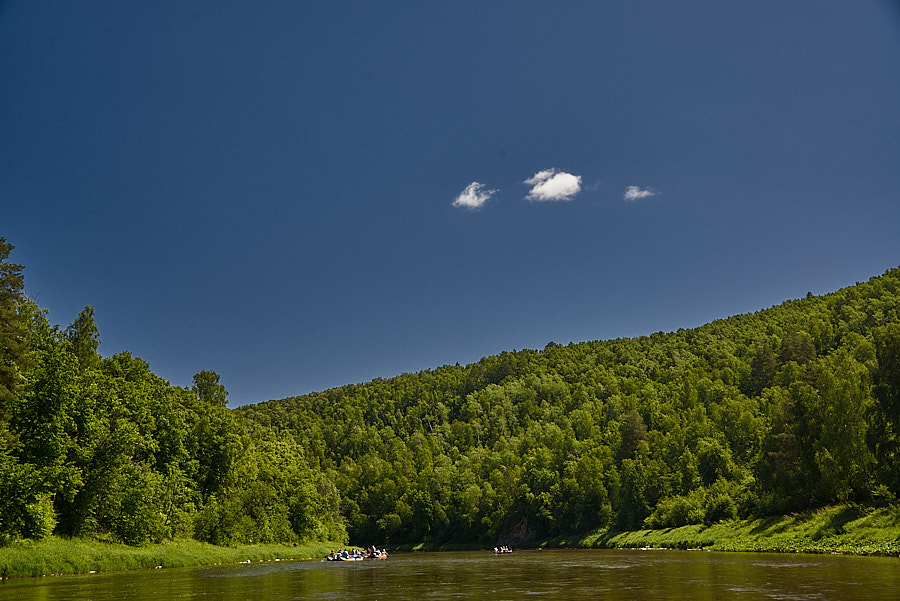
(12, 328)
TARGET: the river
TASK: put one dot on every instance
(559, 574)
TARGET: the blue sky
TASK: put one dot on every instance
(300, 195)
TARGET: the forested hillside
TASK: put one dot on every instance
(790, 408)
(101, 447)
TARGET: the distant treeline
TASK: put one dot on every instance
(791, 408)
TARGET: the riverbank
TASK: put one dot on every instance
(847, 530)
(56, 556)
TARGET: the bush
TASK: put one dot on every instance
(134, 516)
(40, 518)
(673, 512)
(718, 508)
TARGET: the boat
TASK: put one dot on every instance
(344, 555)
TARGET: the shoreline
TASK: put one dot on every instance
(65, 557)
(844, 530)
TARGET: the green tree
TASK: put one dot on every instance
(797, 346)
(842, 456)
(208, 389)
(885, 439)
(84, 338)
(634, 502)
(18, 482)
(217, 446)
(13, 330)
(633, 432)
(713, 461)
(781, 473)
(762, 369)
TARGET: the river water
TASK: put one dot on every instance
(560, 574)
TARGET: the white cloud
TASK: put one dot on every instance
(473, 197)
(553, 185)
(633, 193)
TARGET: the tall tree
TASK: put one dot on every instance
(762, 369)
(633, 432)
(886, 424)
(207, 387)
(13, 328)
(84, 338)
(797, 346)
(841, 453)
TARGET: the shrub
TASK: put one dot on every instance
(673, 512)
(40, 518)
(719, 507)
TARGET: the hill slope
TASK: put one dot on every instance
(785, 409)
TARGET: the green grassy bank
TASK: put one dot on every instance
(64, 556)
(845, 529)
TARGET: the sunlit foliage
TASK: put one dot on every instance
(789, 408)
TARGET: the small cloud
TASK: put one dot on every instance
(553, 185)
(473, 197)
(633, 193)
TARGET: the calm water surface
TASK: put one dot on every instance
(571, 575)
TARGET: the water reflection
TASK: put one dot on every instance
(574, 575)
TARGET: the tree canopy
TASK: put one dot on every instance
(101, 446)
(785, 409)
(789, 408)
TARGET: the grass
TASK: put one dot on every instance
(844, 529)
(54, 556)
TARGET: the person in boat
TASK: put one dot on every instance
(373, 553)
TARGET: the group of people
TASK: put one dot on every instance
(503, 549)
(357, 555)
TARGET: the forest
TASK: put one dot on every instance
(790, 408)
(101, 447)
